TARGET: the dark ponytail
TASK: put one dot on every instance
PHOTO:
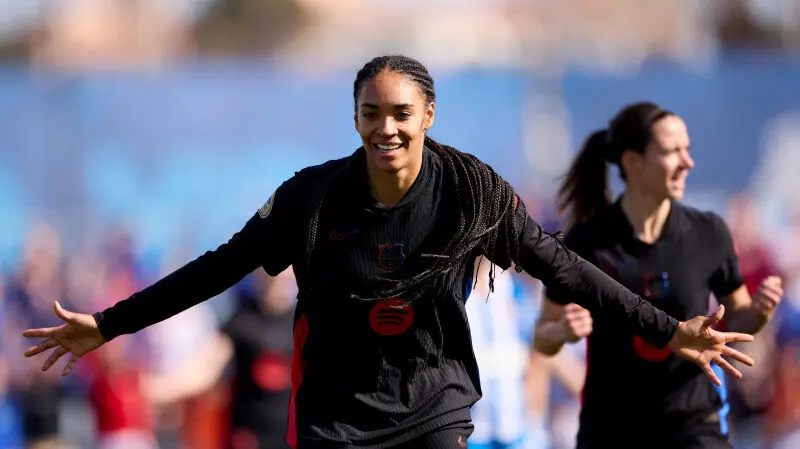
(585, 189)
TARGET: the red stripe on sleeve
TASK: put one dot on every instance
(298, 370)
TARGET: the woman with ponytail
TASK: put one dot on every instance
(637, 395)
(382, 243)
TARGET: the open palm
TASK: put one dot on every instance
(697, 342)
(78, 336)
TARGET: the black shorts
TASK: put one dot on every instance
(700, 435)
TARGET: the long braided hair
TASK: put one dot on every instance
(488, 203)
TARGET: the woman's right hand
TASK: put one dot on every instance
(78, 336)
(576, 323)
(698, 342)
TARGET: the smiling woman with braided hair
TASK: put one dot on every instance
(383, 244)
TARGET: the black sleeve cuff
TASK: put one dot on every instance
(102, 325)
(669, 332)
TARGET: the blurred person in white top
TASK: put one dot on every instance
(502, 416)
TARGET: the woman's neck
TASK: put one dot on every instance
(388, 188)
(646, 215)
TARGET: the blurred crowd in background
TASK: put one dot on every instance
(136, 134)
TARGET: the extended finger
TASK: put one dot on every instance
(711, 374)
(45, 332)
(63, 313)
(73, 360)
(734, 337)
(713, 318)
(60, 351)
(722, 363)
(738, 356)
(43, 346)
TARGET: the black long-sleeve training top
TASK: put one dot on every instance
(376, 374)
(693, 257)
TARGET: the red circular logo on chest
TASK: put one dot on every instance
(649, 352)
(391, 317)
(272, 372)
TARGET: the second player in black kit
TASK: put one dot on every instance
(382, 243)
(637, 395)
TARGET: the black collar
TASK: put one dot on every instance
(625, 229)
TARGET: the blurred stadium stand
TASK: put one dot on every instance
(135, 134)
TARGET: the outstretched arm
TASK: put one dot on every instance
(266, 240)
(564, 272)
(543, 256)
(199, 280)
